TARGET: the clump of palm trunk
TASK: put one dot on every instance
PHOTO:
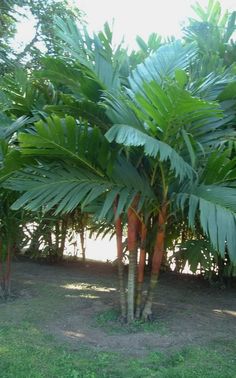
(119, 244)
(133, 305)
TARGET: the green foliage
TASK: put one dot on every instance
(213, 32)
(129, 136)
(203, 258)
(217, 207)
(166, 116)
(162, 64)
(93, 54)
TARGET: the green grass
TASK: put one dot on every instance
(29, 350)
(109, 322)
(26, 352)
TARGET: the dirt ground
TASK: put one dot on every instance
(68, 299)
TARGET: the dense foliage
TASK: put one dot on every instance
(142, 142)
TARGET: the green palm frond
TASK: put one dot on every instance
(63, 187)
(171, 108)
(120, 112)
(77, 42)
(11, 160)
(8, 128)
(219, 168)
(95, 53)
(94, 113)
(129, 136)
(23, 95)
(162, 64)
(81, 82)
(66, 139)
(174, 125)
(217, 207)
(211, 86)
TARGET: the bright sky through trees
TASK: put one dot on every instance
(164, 17)
(132, 18)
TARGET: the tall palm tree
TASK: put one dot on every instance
(178, 131)
(165, 130)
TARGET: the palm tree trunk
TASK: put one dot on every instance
(141, 267)
(156, 261)
(133, 222)
(118, 227)
(82, 244)
(64, 225)
(131, 285)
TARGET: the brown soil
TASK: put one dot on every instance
(68, 298)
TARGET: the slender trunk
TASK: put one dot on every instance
(141, 267)
(63, 236)
(118, 227)
(82, 244)
(133, 222)
(57, 235)
(131, 285)
(156, 261)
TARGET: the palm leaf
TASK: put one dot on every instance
(129, 136)
(66, 139)
(92, 112)
(162, 64)
(217, 206)
(95, 53)
(8, 128)
(62, 188)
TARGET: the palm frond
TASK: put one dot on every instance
(92, 112)
(66, 139)
(8, 128)
(62, 188)
(219, 168)
(129, 136)
(217, 206)
(162, 64)
(212, 86)
(171, 107)
(95, 53)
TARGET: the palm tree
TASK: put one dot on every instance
(178, 131)
(165, 131)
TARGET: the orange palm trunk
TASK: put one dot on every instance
(119, 246)
(133, 222)
(156, 260)
(141, 267)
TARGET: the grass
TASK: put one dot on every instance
(26, 352)
(29, 350)
(109, 322)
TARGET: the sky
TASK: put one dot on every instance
(164, 17)
(132, 17)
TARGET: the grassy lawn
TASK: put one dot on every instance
(30, 349)
(25, 351)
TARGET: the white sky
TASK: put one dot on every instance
(133, 17)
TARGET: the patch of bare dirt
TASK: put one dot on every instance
(70, 297)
